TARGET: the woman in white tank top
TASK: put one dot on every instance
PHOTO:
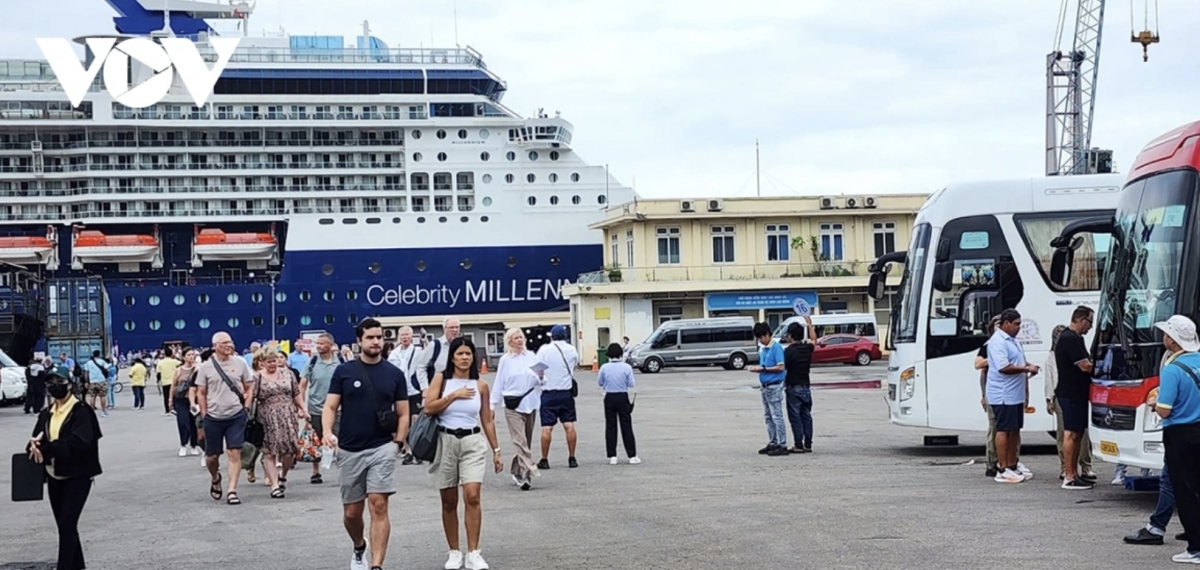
(460, 401)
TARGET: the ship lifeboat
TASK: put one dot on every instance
(92, 246)
(214, 244)
(25, 249)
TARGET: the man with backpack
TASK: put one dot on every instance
(433, 359)
(314, 384)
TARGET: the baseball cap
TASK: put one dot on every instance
(60, 371)
(558, 332)
(1182, 330)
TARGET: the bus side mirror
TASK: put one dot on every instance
(875, 286)
(1060, 266)
(943, 276)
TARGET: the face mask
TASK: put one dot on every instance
(58, 391)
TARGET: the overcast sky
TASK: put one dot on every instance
(853, 96)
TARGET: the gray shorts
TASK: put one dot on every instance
(315, 420)
(367, 472)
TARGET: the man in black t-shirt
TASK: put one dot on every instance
(797, 362)
(364, 390)
(1074, 385)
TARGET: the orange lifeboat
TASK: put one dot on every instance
(92, 245)
(215, 244)
(25, 249)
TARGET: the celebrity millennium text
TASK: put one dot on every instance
(482, 291)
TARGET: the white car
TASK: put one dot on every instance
(12, 380)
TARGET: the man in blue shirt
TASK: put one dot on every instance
(1178, 405)
(771, 376)
(1007, 393)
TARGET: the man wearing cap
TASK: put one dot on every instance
(1178, 405)
(558, 400)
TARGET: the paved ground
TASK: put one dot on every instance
(870, 497)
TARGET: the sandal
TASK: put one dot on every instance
(214, 489)
(277, 493)
(316, 479)
(233, 499)
(283, 483)
(250, 476)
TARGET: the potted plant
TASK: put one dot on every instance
(614, 273)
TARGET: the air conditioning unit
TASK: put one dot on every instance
(853, 202)
(828, 203)
(389, 334)
(716, 205)
(687, 205)
(871, 202)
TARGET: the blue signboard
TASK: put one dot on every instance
(754, 300)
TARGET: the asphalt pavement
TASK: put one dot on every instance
(870, 497)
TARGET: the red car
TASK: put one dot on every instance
(846, 348)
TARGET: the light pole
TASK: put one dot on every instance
(273, 275)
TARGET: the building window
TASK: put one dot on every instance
(668, 245)
(614, 251)
(779, 245)
(722, 241)
(831, 242)
(885, 238)
(628, 248)
(670, 313)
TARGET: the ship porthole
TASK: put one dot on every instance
(373, 268)
(487, 178)
(512, 262)
(129, 300)
(257, 321)
(487, 201)
(484, 219)
(179, 299)
(203, 299)
(329, 296)
(420, 266)
(329, 320)
(465, 264)
(554, 200)
(484, 133)
(154, 325)
(204, 324)
(305, 320)
(232, 298)
(280, 297)
(305, 296)
(601, 199)
(180, 324)
(555, 260)
(327, 269)
(129, 325)
(575, 199)
(233, 322)
(281, 320)
(352, 295)
(154, 300)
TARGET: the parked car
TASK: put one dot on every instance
(12, 380)
(846, 348)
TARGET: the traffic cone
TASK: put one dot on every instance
(595, 365)
(483, 367)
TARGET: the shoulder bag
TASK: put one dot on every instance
(1187, 371)
(387, 420)
(423, 437)
(574, 384)
(255, 431)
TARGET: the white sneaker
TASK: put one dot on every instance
(612, 460)
(634, 460)
(1186, 557)
(183, 451)
(1009, 476)
(1119, 479)
(194, 451)
(517, 480)
(1024, 471)
(358, 562)
(475, 561)
(455, 561)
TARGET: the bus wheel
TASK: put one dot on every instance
(737, 361)
(863, 358)
(653, 365)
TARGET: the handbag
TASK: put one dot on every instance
(423, 437)
(310, 445)
(255, 431)
(387, 420)
(574, 384)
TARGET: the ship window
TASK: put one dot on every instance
(257, 321)
(532, 200)
(462, 134)
(487, 201)
(421, 265)
(531, 178)
(352, 295)
(353, 318)
(554, 200)
(329, 296)
(396, 220)
(533, 155)
(305, 320)
(465, 264)
(484, 156)
(484, 219)
(373, 220)
(417, 157)
(305, 296)
(511, 156)
(421, 220)
(129, 325)
(280, 297)
(512, 261)
(233, 322)
(327, 269)
(179, 299)
(329, 320)
(442, 219)
(575, 199)
(464, 219)
(483, 133)
(326, 221)
(416, 134)
(554, 155)
(155, 325)
(203, 299)
(204, 323)
(256, 298)
(553, 177)
(574, 177)
(281, 320)
(441, 157)
(509, 178)
(441, 134)
(350, 221)
(232, 298)
(129, 300)
(180, 324)
(554, 260)
(374, 267)
(601, 199)
(487, 178)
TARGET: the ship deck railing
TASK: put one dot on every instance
(729, 272)
(64, 192)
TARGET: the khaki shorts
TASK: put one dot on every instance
(459, 461)
(97, 389)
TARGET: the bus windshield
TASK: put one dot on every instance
(1147, 252)
(907, 309)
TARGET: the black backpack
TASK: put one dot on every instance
(431, 368)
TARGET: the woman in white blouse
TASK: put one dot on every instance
(517, 387)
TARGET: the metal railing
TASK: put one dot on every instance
(729, 272)
(177, 190)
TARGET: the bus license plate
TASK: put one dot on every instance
(1109, 448)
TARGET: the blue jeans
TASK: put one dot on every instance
(772, 398)
(139, 396)
(112, 395)
(799, 409)
(1166, 502)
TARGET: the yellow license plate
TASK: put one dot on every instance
(1109, 448)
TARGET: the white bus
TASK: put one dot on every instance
(978, 249)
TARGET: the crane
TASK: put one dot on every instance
(1071, 89)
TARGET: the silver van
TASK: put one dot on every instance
(727, 341)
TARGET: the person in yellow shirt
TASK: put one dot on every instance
(137, 380)
(166, 375)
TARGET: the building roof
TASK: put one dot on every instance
(760, 207)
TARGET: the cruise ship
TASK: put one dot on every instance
(323, 181)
